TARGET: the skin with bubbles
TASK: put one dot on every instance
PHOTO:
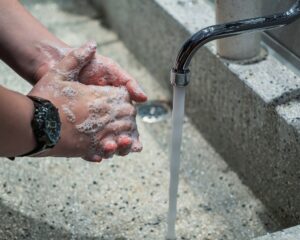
(101, 71)
(97, 121)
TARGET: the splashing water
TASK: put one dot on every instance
(177, 122)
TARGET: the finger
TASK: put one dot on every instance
(93, 125)
(135, 91)
(124, 145)
(93, 158)
(77, 58)
(123, 93)
(99, 107)
(95, 74)
(116, 76)
(115, 128)
(103, 71)
(109, 147)
(125, 110)
(114, 94)
(124, 79)
(136, 145)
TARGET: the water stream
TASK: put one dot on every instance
(177, 122)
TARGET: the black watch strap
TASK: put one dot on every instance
(45, 124)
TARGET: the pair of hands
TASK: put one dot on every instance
(94, 97)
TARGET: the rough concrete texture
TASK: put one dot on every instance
(234, 106)
(288, 234)
(123, 198)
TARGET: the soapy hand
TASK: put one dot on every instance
(100, 71)
(103, 71)
(97, 121)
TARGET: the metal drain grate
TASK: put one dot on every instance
(153, 111)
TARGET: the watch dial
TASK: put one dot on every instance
(52, 125)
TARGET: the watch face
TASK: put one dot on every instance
(45, 124)
(52, 126)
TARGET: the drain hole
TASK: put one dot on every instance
(153, 111)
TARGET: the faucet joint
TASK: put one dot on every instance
(180, 79)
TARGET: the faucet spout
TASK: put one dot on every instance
(180, 71)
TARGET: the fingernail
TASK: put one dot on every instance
(137, 146)
(96, 158)
(124, 141)
(110, 148)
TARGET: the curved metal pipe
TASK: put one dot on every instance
(190, 47)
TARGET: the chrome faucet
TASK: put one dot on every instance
(180, 74)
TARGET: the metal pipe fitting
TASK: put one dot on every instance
(180, 79)
(208, 34)
(243, 47)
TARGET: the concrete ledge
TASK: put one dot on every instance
(288, 234)
(244, 111)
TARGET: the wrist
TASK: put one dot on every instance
(16, 114)
(48, 55)
(29, 141)
(46, 126)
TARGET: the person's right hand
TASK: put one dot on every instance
(97, 121)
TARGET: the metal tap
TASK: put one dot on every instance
(180, 74)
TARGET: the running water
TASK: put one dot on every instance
(177, 122)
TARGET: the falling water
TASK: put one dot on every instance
(177, 122)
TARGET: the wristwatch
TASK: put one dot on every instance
(45, 124)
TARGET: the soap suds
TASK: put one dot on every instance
(103, 110)
(91, 125)
(69, 114)
(69, 92)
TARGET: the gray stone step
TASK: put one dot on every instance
(288, 234)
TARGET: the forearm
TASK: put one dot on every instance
(16, 135)
(21, 39)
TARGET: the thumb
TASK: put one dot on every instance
(77, 58)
